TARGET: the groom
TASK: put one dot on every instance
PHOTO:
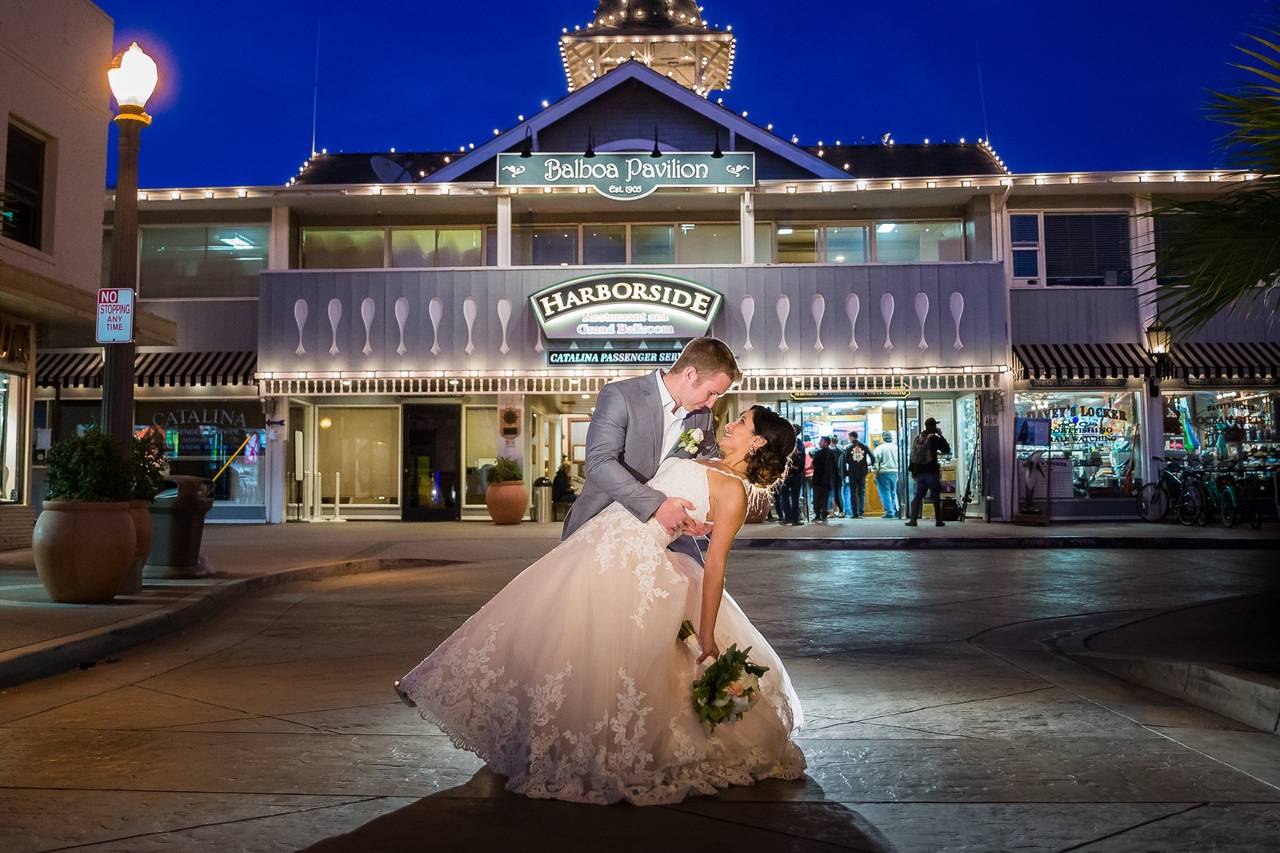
(637, 424)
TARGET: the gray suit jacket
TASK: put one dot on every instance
(623, 454)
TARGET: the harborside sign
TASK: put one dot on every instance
(626, 306)
(628, 176)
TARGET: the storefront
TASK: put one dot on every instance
(897, 421)
(205, 404)
(1079, 429)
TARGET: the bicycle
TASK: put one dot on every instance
(1157, 499)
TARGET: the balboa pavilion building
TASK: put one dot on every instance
(367, 339)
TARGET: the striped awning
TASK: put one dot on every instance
(69, 369)
(1083, 361)
(151, 369)
(1226, 361)
(195, 368)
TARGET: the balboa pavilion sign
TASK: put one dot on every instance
(630, 176)
(625, 306)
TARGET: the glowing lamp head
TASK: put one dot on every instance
(133, 78)
(1159, 338)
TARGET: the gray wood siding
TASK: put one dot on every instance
(1075, 315)
(1251, 321)
(982, 327)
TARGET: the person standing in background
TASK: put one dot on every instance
(926, 470)
(793, 482)
(837, 493)
(886, 462)
(857, 460)
(824, 478)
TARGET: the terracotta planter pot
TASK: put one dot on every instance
(140, 512)
(507, 502)
(84, 550)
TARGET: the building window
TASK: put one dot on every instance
(919, 242)
(1170, 229)
(12, 446)
(828, 244)
(1024, 235)
(1222, 425)
(1091, 437)
(544, 247)
(1087, 249)
(653, 244)
(22, 215)
(343, 248)
(604, 244)
(797, 245)
(764, 243)
(217, 260)
(713, 243)
(436, 247)
(480, 450)
(203, 436)
(363, 445)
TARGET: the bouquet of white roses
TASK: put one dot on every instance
(728, 687)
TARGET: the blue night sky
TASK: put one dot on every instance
(1070, 85)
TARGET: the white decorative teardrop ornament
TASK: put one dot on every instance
(402, 315)
(538, 346)
(435, 310)
(922, 311)
(469, 314)
(886, 311)
(819, 308)
(784, 311)
(852, 308)
(748, 314)
(335, 316)
(366, 314)
(957, 311)
(300, 319)
(504, 317)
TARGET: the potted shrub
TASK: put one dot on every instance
(506, 496)
(148, 480)
(84, 540)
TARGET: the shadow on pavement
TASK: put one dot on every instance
(481, 816)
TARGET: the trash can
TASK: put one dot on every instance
(542, 500)
(178, 515)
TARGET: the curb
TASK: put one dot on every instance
(924, 543)
(1232, 692)
(50, 657)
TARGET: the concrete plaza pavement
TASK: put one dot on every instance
(941, 716)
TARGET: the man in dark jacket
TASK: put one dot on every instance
(857, 461)
(824, 478)
(927, 472)
(789, 491)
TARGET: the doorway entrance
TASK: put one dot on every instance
(432, 450)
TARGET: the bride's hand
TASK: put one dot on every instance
(709, 649)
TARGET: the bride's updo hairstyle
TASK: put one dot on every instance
(765, 465)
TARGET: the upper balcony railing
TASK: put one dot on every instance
(874, 318)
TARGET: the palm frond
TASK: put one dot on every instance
(1226, 257)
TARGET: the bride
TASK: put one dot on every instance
(571, 682)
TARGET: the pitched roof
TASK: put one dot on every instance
(911, 161)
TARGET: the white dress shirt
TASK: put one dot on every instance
(673, 422)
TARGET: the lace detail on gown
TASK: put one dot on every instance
(571, 684)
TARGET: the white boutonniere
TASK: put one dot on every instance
(690, 441)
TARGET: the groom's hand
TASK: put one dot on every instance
(672, 515)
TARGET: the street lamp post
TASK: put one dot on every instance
(132, 77)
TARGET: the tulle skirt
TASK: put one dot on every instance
(571, 683)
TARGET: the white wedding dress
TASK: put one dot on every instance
(571, 683)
